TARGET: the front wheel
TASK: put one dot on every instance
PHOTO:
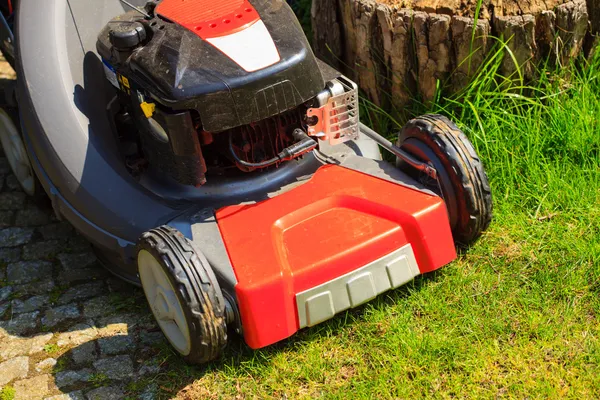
(183, 293)
(462, 181)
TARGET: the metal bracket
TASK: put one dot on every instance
(398, 152)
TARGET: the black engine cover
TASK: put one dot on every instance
(182, 71)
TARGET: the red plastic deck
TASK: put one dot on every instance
(209, 18)
(337, 222)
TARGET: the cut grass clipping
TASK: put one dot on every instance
(516, 315)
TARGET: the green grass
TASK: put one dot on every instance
(516, 315)
(7, 393)
(51, 349)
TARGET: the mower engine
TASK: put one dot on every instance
(215, 96)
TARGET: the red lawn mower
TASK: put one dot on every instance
(210, 157)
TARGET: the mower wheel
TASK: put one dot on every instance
(14, 150)
(462, 181)
(183, 293)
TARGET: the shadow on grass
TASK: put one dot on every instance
(161, 371)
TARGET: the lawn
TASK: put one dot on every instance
(515, 316)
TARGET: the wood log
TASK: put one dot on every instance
(398, 50)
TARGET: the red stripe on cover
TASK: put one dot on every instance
(209, 18)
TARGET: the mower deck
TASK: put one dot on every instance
(330, 244)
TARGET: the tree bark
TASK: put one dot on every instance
(398, 50)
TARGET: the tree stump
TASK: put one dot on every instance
(398, 49)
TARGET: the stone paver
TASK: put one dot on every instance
(68, 378)
(76, 395)
(61, 326)
(5, 293)
(33, 388)
(31, 289)
(28, 271)
(12, 200)
(10, 254)
(76, 261)
(84, 354)
(14, 368)
(118, 367)
(60, 314)
(31, 304)
(80, 292)
(106, 393)
(77, 334)
(11, 237)
(116, 344)
(20, 346)
(6, 218)
(21, 323)
(98, 307)
(32, 216)
(45, 365)
(43, 250)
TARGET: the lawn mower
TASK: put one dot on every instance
(211, 158)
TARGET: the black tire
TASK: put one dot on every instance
(39, 196)
(462, 181)
(197, 290)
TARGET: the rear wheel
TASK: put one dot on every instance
(183, 294)
(14, 150)
(462, 181)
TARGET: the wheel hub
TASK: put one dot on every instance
(165, 305)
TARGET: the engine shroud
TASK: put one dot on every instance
(183, 71)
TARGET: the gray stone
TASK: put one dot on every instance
(106, 393)
(12, 201)
(28, 271)
(12, 237)
(116, 344)
(32, 388)
(12, 183)
(148, 369)
(31, 289)
(5, 293)
(45, 365)
(32, 216)
(31, 304)
(76, 261)
(78, 334)
(67, 378)
(79, 244)
(80, 292)
(3, 309)
(6, 219)
(117, 367)
(21, 323)
(43, 250)
(14, 368)
(59, 230)
(56, 315)
(149, 393)
(10, 254)
(151, 338)
(78, 395)
(84, 354)
(97, 307)
(85, 274)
